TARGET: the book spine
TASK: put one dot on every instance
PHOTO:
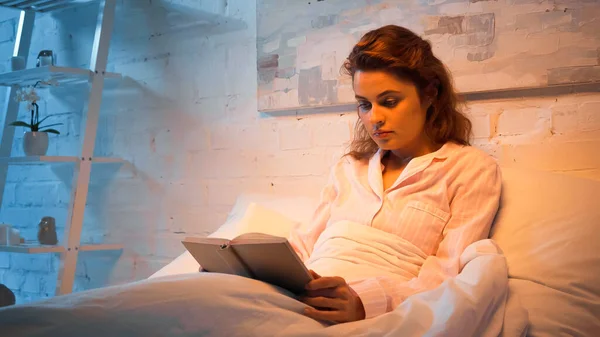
(235, 263)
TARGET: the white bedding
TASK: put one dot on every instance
(204, 304)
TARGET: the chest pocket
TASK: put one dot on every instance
(422, 224)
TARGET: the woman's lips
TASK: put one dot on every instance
(382, 134)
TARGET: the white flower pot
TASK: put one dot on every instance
(35, 143)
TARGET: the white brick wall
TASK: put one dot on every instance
(187, 122)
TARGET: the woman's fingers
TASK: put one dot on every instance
(324, 302)
(325, 282)
(337, 292)
(334, 316)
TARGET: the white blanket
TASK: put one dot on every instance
(204, 304)
(355, 251)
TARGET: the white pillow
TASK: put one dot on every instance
(251, 213)
(297, 208)
(257, 218)
(548, 227)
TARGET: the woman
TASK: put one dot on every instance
(397, 213)
(410, 172)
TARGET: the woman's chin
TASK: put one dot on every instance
(386, 144)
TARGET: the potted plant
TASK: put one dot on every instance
(35, 141)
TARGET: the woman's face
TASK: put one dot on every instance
(392, 112)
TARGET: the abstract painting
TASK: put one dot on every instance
(487, 44)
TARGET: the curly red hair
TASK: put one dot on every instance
(401, 53)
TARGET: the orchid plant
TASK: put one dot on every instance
(29, 94)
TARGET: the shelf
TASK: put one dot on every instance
(42, 6)
(38, 160)
(97, 247)
(32, 248)
(35, 248)
(107, 160)
(60, 75)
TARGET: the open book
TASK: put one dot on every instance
(259, 256)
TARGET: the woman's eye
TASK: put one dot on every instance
(364, 106)
(390, 103)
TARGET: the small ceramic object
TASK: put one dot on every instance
(35, 143)
(46, 58)
(47, 231)
(4, 234)
(17, 63)
(14, 237)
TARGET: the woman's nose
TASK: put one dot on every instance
(376, 115)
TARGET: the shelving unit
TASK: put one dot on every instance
(36, 248)
(60, 75)
(41, 6)
(32, 160)
(95, 76)
(32, 248)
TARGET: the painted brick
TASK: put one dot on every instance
(333, 133)
(481, 126)
(224, 192)
(4, 260)
(32, 283)
(14, 279)
(167, 167)
(37, 263)
(18, 217)
(130, 191)
(574, 118)
(211, 110)
(7, 30)
(241, 108)
(516, 122)
(26, 297)
(46, 194)
(295, 136)
(222, 164)
(309, 186)
(590, 116)
(494, 149)
(33, 173)
(292, 163)
(565, 118)
(48, 284)
(129, 220)
(186, 194)
(81, 269)
(9, 14)
(239, 77)
(244, 137)
(8, 197)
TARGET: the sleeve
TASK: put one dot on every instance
(473, 209)
(304, 238)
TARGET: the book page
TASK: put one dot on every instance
(211, 241)
(257, 238)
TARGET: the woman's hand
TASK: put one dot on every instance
(332, 299)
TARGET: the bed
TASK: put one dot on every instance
(537, 275)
